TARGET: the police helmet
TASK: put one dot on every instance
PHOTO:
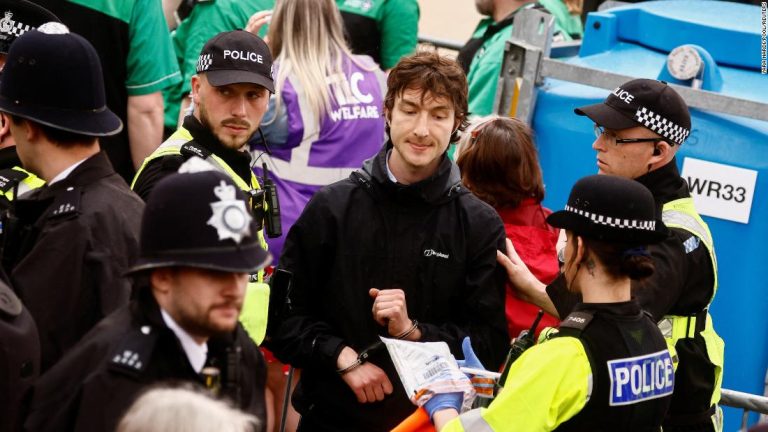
(612, 209)
(202, 220)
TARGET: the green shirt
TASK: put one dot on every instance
(486, 66)
(149, 63)
(206, 21)
(397, 24)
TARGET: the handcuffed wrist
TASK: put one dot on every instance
(410, 331)
(351, 367)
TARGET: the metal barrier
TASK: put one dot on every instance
(441, 43)
(559, 49)
(746, 401)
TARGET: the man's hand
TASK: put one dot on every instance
(525, 283)
(367, 381)
(390, 310)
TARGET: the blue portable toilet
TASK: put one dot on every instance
(725, 159)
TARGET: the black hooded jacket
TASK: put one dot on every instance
(432, 239)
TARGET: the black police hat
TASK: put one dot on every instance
(612, 209)
(18, 17)
(236, 57)
(54, 77)
(200, 220)
(643, 102)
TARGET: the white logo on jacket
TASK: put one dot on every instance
(434, 253)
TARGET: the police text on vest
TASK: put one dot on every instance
(642, 378)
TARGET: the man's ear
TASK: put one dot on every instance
(387, 116)
(161, 280)
(5, 126)
(580, 249)
(661, 152)
(195, 93)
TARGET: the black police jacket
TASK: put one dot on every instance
(127, 352)
(19, 357)
(67, 248)
(632, 371)
(681, 285)
(433, 239)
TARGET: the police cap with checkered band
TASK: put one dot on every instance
(236, 57)
(18, 17)
(643, 102)
(201, 220)
(611, 209)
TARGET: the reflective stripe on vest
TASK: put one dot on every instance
(473, 420)
(682, 214)
(29, 183)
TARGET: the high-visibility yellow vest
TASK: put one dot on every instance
(27, 182)
(255, 310)
(682, 214)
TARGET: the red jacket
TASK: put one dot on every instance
(534, 241)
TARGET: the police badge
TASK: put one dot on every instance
(230, 216)
(6, 23)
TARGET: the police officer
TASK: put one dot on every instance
(19, 341)
(230, 94)
(639, 128)
(608, 368)
(19, 16)
(66, 245)
(198, 245)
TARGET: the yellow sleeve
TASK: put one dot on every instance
(546, 386)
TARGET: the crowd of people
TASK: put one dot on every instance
(198, 226)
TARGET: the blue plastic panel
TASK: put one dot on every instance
(634, 41)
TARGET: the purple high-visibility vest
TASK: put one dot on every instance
(315, 155)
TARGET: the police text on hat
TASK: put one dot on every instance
(236, 57)
(643, 102)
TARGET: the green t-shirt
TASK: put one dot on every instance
(486, 65)
(397, 24)
(206, 21)
(149, 63)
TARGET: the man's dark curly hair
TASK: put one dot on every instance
(434, 75)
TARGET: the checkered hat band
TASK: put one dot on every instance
(615, 222)
(204, 62)
(661, 125)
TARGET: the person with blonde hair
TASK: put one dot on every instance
(184, 409)
(326, 119)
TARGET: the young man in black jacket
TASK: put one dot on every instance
(639, 128)
(399, 249)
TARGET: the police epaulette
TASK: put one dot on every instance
(9, 177)
(131, 356)
(192, 148)
(66, 203)
(577, 321)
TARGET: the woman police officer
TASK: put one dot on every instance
(608, 368)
